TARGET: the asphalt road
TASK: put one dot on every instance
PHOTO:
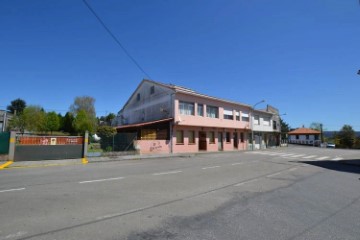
(284, 193)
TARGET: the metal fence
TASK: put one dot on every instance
(118, 144)
(4, 142)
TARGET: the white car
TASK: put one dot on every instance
(330, 145)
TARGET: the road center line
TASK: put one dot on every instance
(12, 190)
(210, 167)
(102, 180)
(166, 173)
(239, 163)
(249, 181)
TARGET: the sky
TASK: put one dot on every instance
(301, 57)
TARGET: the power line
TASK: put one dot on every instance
(115, 38)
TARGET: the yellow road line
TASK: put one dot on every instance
(8, 163)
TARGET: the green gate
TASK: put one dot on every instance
(4, 142)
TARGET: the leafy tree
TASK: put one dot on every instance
(68, 123)
(346, 137)
(285, 128)
(106, 133)
(316, 126)
(83, 123)
(106, 120)
(52, 122)
(16, 106)
(85, 106)
(85, 103)
(35, 118)
(17, 123)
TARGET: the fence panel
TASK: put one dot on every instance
(4, 142)
(32, 148)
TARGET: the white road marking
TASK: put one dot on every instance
(311, 156)
(210, 167)
(239, 163)
(102, 180)
(337, 159)
(299, 155)
(322, 158)
(242, 183)
(273, 175)
(293, 169)
(14, 235)
(166, 173)
(12, 190)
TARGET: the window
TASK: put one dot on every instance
(237, 116)
(245, 116)
(211, 137)
(242, 137)
(138, 97)
(228, 137)
(180, 137)
(228, 114)
(274, 125)
(186, 108)
(212, 112)
(266, 121)
(152, 90)
(256, 120)
(307, 137)
(191, 137)
(297, 136)
(200, 110)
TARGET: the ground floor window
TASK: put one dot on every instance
(191, 137)
(211, 137)
(228, 137)
(180, 137)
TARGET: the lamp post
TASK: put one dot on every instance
(252, 123)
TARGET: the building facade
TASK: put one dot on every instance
(305, 136)
(5, 118)
(173, 119)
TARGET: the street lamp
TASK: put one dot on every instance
(252, 123)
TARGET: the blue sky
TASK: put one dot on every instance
(300, 56)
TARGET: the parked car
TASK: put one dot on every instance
(317, 143)
(330, 145)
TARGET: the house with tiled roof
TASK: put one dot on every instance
(167, 118)
(306, 136)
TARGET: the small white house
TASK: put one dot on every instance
(304, 136)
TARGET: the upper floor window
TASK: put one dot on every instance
(186, 108)
(274, 125)
(212, 112)
(266, 121)
(152, 89)
(256, 120)
(237, 116)
(245, 116)
(200, 110)
(228, 114)
(138, 97)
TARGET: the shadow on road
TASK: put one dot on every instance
(351, 166)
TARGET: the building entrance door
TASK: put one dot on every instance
(220, 141)
(236, 140)
(202, 141)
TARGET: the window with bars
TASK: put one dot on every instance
(200, 110)
(191, 137)
(180, 137)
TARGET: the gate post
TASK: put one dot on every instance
(85, 148)
(11, 151)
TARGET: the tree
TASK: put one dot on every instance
(35, 118)
(17, 123)
(106, 133)
(346, 136)
(85, 106)
(52, 122)
(68, 123)
(85, 103)
(83, 122)
(285, 128)
(16, 106)
(316, 126)
(106, 120)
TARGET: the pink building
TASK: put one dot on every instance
(174, 119)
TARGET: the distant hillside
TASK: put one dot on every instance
(330, 134)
